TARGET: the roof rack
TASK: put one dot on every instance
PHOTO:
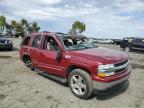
(59, 33)
(46, 31)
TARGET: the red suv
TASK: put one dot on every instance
(74, 60)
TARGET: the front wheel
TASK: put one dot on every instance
(80, 83)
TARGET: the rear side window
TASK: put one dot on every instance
(36, 41)
(26, 41)
(125, 40)
(137, 41)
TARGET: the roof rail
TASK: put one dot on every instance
(59, 33)
(46, 31)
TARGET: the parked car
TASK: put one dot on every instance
(104, 41)
(116, 41)
(132, 43)
(5, 43)
(86, 68)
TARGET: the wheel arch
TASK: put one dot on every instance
(25, 56)
(72, 67)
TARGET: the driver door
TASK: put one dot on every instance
(48, 61)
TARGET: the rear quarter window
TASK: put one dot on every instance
(137, 41)
(36, 41)
(25, 41)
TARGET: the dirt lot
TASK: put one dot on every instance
(22, 88)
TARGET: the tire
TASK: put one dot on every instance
(127, 49)
(80, 83)
(10, 49)
(28, 62)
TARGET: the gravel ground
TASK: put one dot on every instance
(22, 88)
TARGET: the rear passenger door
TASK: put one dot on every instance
(34, 50)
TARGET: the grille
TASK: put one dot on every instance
(120, 70)
(2, 41)
(121, 63)
(122, 66)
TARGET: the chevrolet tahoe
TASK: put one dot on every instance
(73, 60)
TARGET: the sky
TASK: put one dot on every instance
(103, 18)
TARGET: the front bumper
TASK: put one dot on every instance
(100, 86)
(6, 46)
(110, 82)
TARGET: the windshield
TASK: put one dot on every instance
(76, 43)
(1, 36)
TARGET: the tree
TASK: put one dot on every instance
(17, 28)
(24, 24)
(33, 27)
(13, 23)
(77, 28)
(8, 29)
(24, 28)
(2, 23)
(72, 32)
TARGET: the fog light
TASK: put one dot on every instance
(101, 74)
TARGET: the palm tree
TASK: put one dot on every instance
(2, 23)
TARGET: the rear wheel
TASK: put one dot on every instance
(80, 83)
(28, 62)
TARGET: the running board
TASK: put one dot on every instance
(62, 80)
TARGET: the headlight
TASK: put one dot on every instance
(10, 41)
(106, 70)
(6, 41)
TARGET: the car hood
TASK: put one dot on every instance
(4, 39)
(102, 55)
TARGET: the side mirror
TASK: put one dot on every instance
(59, 54)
